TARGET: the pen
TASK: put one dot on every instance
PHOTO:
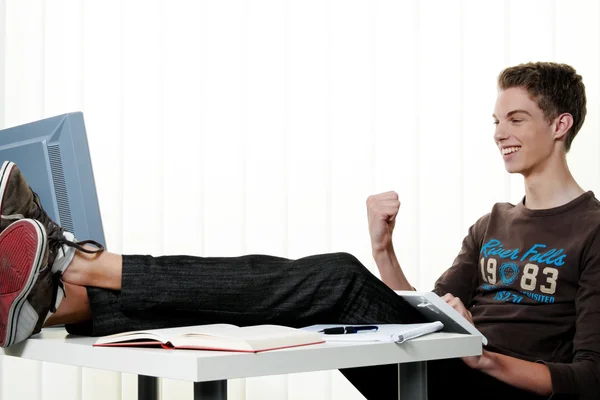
(341, 330)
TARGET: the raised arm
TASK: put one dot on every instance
(382, 210)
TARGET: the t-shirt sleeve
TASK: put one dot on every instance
(582, 376)
(461, 278)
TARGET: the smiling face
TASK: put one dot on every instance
(525, 138)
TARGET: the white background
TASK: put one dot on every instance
(227, 127)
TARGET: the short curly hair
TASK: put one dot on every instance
(556, 88)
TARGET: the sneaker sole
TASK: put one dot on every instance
(22, 246)
(5, 171)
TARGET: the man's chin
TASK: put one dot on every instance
(512, 169)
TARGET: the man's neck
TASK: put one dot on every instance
(551, 187)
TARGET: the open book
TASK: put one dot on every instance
(397, 333)
(224, 337)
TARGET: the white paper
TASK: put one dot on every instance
(386, 332)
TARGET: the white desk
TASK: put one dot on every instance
(210, 369)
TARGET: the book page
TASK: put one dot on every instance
(219, 337)
(162, 335)
(256, 338)
(244, 333)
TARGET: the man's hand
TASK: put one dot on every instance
(382, 210)
(458, 305)
(485, 360)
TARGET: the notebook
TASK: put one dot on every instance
(434, 308)
(397, 333)
(222, 337)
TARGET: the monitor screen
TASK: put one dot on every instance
(54, 157)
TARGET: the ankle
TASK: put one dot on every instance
(81, 270)
(101, 270)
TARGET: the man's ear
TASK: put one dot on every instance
(562, 124)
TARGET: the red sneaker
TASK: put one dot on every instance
(29, 289)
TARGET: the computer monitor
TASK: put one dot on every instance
(54, 157)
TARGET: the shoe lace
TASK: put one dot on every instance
(55, 242)
(56, 284)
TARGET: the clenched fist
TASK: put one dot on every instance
(382, 210)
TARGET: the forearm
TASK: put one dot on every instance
(390, 270)
(525, 375)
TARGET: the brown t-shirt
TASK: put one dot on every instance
(531, 280)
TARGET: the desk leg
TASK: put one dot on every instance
(412, 380)
(147, 387)
(212, 390)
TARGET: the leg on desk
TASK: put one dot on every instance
(160, 292)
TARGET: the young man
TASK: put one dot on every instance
(528, 274)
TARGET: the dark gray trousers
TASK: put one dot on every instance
(255, 289)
